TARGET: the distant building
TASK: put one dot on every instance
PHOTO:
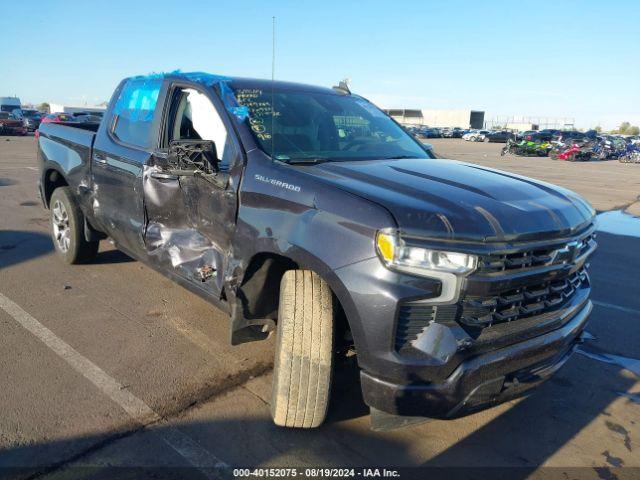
(439, 118)
(522, 126)
(519, 123)
(60, 108)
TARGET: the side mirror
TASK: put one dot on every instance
(193, 155)
(429, 149)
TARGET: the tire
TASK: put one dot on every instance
(67, 229)
(304, 351)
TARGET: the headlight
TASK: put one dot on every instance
(417, 260)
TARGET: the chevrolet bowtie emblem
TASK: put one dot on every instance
(568, 253)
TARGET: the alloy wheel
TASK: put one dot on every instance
(60, 222)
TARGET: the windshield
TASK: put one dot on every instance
(13, 110)
(323, 126)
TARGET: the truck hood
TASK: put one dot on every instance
(446, 199)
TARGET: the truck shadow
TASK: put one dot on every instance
(5, 182)
(17, 246)
(110, 256)
(511, 445)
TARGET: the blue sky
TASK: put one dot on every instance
(549, 58)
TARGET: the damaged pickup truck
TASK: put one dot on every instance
(308, 212)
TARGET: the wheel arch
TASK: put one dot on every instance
(52, 178)
(258, 294)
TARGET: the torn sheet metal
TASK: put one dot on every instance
(173, 234)
(189, 252)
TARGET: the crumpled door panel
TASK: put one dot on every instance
(172, 237)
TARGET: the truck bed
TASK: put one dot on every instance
(67, 149)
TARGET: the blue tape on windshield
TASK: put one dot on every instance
(228, 98)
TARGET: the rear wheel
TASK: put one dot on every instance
(67, 229)
(304, 351)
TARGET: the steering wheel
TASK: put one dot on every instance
(358, 142)
(363, 141)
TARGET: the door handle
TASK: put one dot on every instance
(162, 176)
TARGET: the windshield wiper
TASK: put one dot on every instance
(400, 157)
(307, 161)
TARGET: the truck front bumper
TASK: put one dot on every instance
(481, 381)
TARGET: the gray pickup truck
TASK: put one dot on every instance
(308, 212)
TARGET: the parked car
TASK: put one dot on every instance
(545, 135)
(475, 135)
(10, 125)
(539, 137)
(11, 105)
(58, 118)
(32, 119)
(498, 136)
(87, 118)
(525, 134)
(468, 134)
(330, 226)
(568, 135)
(452, 132)
(88, 112)
(550, 131)
(414, 130)
(430, 133)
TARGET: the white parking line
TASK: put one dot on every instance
(139, 411)
(19, 167)
(616, 307)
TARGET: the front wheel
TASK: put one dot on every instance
(67, 229)
(304, 351)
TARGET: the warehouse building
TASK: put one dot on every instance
(520, 123)
(439, 118)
